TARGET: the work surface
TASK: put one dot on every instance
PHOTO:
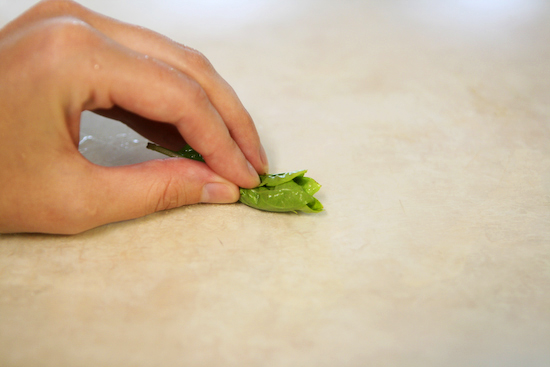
(428, 124)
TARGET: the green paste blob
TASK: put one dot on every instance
(280, 192)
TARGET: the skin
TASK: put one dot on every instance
(59, 59)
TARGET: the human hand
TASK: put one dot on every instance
(59, 59)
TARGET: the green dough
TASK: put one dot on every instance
(281, 192)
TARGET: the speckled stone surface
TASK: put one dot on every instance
(428, 124)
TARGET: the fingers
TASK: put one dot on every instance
(161, 93)
(194, 64)
(184, 59)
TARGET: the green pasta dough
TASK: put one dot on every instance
(284, 192)
(281, 192)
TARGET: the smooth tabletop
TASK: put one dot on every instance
(428, 125)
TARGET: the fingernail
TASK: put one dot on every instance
(252, 171)
(263, 157)
(219, 193)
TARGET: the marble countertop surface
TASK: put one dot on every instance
(428, 125)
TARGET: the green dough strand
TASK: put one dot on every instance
(281, 192)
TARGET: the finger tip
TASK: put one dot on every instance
(253, 174)
(219, 193)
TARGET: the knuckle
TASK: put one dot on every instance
(198, 61)
(64, 33)
(61, 39)
(51, 44)
(48, 6)
(197, 94)
(167, 194)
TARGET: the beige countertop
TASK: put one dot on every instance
(428, 124)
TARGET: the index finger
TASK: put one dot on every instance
(156, 91)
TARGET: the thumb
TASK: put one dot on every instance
(129, 192)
